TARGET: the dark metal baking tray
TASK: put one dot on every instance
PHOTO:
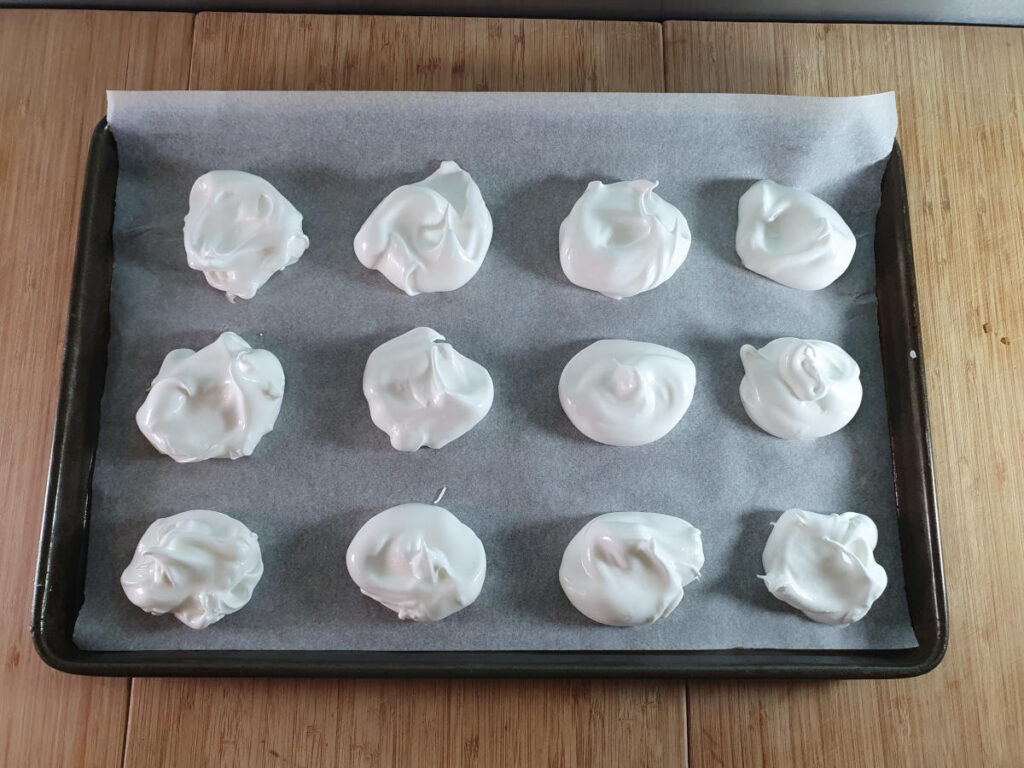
(65, 533)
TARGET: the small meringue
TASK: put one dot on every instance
(422, 392)
(216, 403)
(626, 393)
(622, 239)
(629, 568)
(239, 231)
(419, 560)
(799, 389)
(429, 236)
(792, 237)
(824, 565)
(199, 565)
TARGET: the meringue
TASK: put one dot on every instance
(199, 565)
(216, 403)
(239, 231)
(626, 393)
(792, 237)
(824, 565)
(622, 239)
(422, 392)
(629, 568)
(799, 389)
(419, 560)
(429, 236)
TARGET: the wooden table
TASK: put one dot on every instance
(961, 102)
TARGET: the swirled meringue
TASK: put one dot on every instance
(824, 565)
(799, 389)
(792, 237)
(629, 568)
(199, 565)
(240, 230)
(622, 239)
(429, 236)
(216, 403)
(419, 560)
(422, 392)
(626, 393)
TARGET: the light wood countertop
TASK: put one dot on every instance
(960, 94)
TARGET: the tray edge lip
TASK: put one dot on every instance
(40, 636)
(934, 652)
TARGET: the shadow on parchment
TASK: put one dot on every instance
(533, 244)
(528, 558)
(530, 382)
(745, 559)
(715, 215)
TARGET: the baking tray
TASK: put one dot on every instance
(64, 539)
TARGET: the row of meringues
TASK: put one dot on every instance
(422, 562)
(619, 239)
(219, 402)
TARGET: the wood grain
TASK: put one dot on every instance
(961, 100)
(55, 68)
(261, 51)
(406, 723)
(422, 723)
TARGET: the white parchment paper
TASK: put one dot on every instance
(524, 479)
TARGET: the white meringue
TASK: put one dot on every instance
(621, 392)
(629, 568)
(418, 560)
(824, 565)
(792, 237)
(422, 392)
(799, 389)
(199, 565)
(622, 239)
(240, 230)
(429, 236)
(216, 403)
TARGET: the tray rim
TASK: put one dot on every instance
(67, 501)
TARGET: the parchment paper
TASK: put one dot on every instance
(524, 479)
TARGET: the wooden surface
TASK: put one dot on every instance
(260, 51)
(961, 100)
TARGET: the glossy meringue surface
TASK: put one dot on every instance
(419, 560)
(216, 403)
(622, 239)
(800, 389)
(629, 568)
(240, 230)
(429, 236)
(792, 237)
(199, 565)
(824, 565)
(422, 392)
(626, 393)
